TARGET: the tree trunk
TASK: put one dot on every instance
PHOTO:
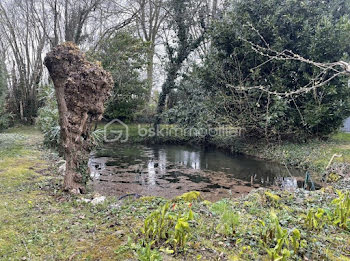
(81, 90)
(166, 88)
(150, 67)
(73, 179)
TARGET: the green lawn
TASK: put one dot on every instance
(38, 222)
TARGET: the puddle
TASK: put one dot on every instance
(171, 170)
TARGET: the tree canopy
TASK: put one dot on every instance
(315, 30)
(125, 57)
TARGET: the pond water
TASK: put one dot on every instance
(171, 170)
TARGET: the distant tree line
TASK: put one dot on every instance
(220, 62)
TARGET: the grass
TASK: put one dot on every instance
(342, 137)
(38, 222)
(313, 155)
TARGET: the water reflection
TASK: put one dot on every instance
(240, 167)
(151, 173)
(171, 170)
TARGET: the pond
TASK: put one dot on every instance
(171, 170)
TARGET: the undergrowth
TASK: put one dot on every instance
(38, 222)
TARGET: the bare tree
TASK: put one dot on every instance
(86, 22)
(26, 41)
(66, 20)
(150, 16)
(76, 14)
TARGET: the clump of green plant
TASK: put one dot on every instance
(272, 198)
(315, 220)
(189, 196)
(333, 177)
(220, 207)
(341, 215)
(229, 222)
(97, 137)
(165, 227)
(146, 253)
(142, 249)
(47, 119)
(182, 231)
(296, 242)
(158, 224)
(276, 253)
(6, 117)
(278, 243)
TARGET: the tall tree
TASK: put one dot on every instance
(26, 41)
(150, 16)
(3, 71)
(183, 16)
(125, 57)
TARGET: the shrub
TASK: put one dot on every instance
(316, 30)
(48, 118)
(6, 118)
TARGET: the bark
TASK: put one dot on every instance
(81, 90)
(214, 9)
(150, 68)
(166, 89)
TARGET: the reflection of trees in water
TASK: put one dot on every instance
(156, 165)
(158, 159)
(286, 183)
(151, 173)
(188, 158)
(244, 168)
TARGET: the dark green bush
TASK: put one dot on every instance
(316, 30)
(125, 57)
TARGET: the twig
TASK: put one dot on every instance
(338, 68)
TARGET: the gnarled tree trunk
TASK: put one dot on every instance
(81, 90)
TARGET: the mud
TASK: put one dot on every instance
(169, 171)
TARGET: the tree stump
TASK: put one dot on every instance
(81, 90)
